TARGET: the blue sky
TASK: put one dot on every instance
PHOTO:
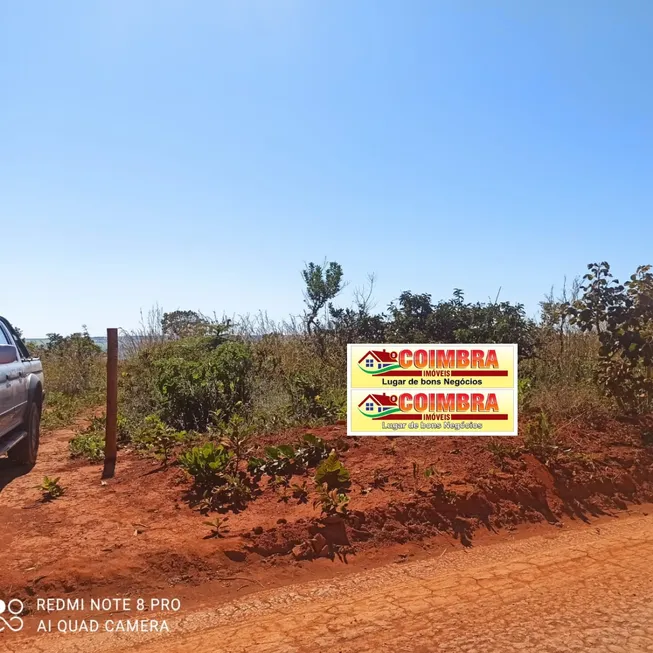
(197, 154)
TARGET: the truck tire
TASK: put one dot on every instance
(24, 453)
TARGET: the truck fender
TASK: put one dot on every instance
(34, 390)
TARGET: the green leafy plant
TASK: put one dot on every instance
(279, 481)
(256, 466)
(50, 488)
(188, 380)
(310, 450)
(300, 492)
(217, 525)
(205, 463)
(540, 439)
(332, 472)
(237, 437)
(280, 460)
(87, 445)
(502, 450)
(524, 392)
(159, 438)
(430, 472)
(282, 491)
(331, 502)
(419, 475)
(230, 492)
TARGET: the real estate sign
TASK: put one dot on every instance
(432, 389)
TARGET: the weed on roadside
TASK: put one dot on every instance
(50, 488)
(218, 528)
(87, 445)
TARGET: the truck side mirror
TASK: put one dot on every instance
(8, 354)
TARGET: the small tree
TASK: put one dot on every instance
(622, 316)
(181, 324)
(323, 283)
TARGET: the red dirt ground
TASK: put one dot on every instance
(135, 535)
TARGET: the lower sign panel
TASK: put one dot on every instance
(415, 412)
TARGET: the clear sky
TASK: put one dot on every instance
(197, 154)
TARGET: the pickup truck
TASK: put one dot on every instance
(21, 397)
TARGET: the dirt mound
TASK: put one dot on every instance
(590, 472)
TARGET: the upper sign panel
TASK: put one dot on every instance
(432, 366)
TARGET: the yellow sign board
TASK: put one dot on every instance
(432, 389)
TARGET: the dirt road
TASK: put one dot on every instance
(576, 589)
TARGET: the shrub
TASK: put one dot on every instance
(205, 463)
(311, 450)
(61, 409)
(73, 365)
(188, 381)
(300, 492)
(159, 438)
(89, 445)
(74, 369)
(280, 460)
(218, 526)
(230, 491)
(415, 318)
(237, 437)
(256, 466)
(312, 399)
(540, 439)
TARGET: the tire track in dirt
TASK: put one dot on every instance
(578, 590)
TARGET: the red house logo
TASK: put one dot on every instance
(378, 405)
(377, 361)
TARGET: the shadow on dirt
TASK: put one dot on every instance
(9, 471)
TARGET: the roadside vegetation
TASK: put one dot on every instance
(74, 367)
(198, 391)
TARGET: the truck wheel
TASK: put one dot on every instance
(24, 453)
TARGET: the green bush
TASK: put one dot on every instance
(75, 376)
(205, 463)
(158, 438)
(51, 488)
(231, 491)
(73, 365)
(189, 380)
(280, 460)
(89, 445)
(61, 409)
(311, 450)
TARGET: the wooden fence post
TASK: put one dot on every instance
(110, 439)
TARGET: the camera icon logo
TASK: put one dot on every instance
(10, 615)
